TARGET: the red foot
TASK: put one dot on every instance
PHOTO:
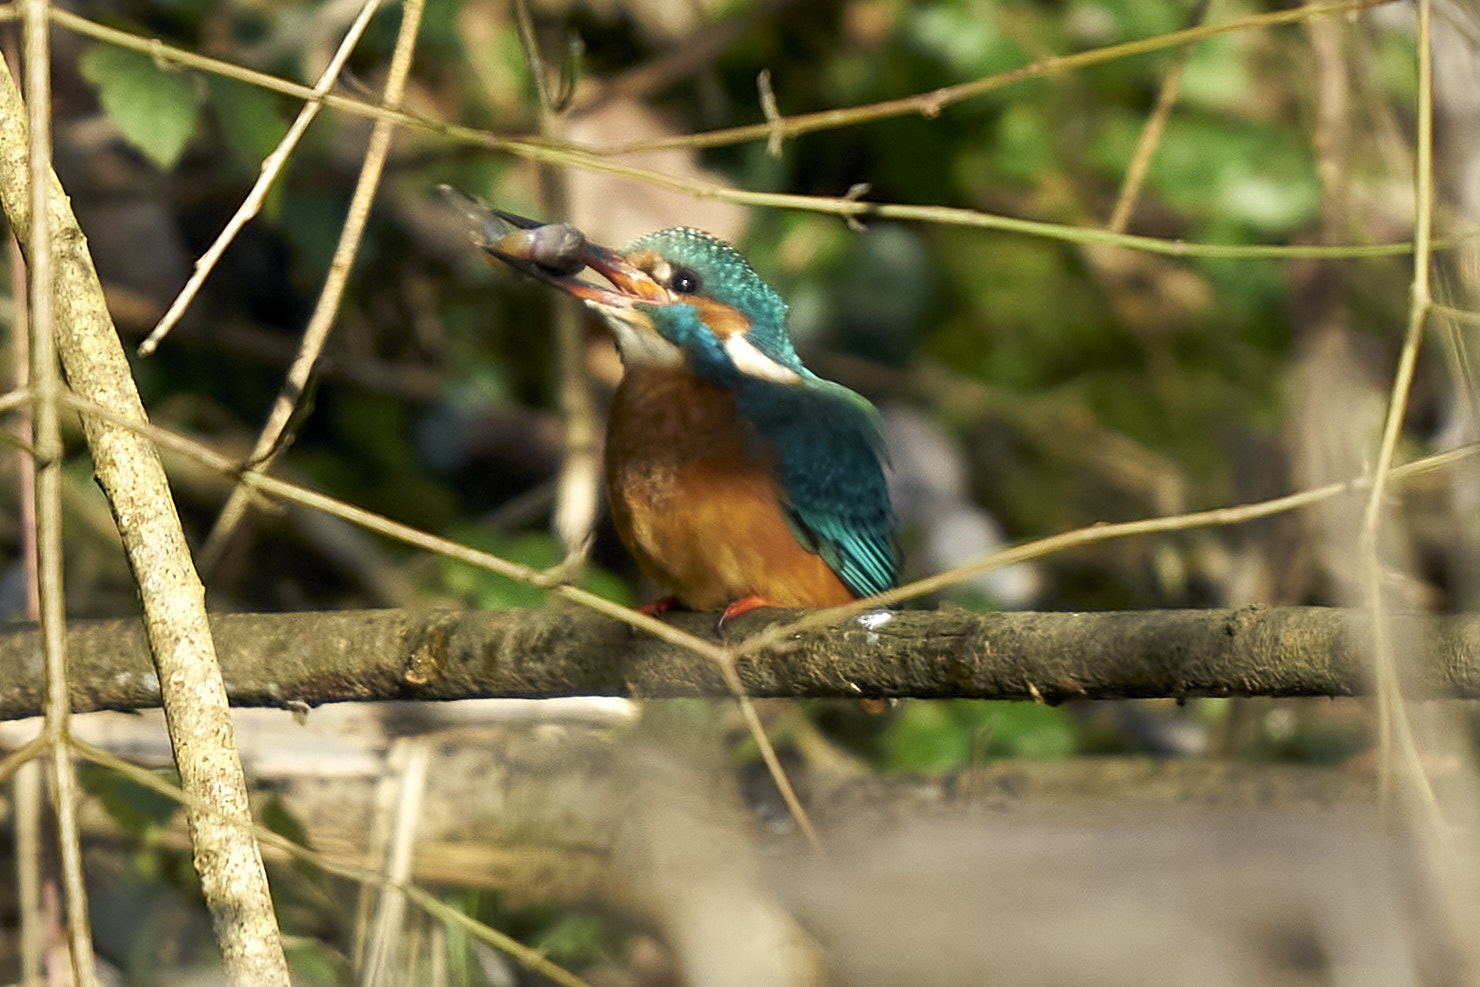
(658, 606)
(743, 605)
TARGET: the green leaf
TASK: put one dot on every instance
(250, 122)
(938, 736)
(154, 109)
(1026, 730)
(963, 39)
(923, 736)
(138, 810)
(576, 940)
(491, 591)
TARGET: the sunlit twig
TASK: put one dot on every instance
(283, 490)
(777, 635)
(1392, 714)
(598, 161)
(932, 103)
(46, 382)
(577, 487)
(1140, 161)
(290, 397)
(531, 958)
(272, 166)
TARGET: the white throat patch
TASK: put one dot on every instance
(637, 341)
(753, 363)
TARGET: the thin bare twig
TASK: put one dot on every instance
(774, 768)
(272, 166)
(282, 489)
(30, 750)
(932, 103)
(1393, 724)
(128, 469)
(772, 112)
(269, 442)
(530, 958)
(16, 398)
(46, 380)
(1166, 98)
(377, 842)
(595, 160)
(27, 791)
(410, 756)
(577, 488)
(777, 635)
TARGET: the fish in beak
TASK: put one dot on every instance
(556, 253)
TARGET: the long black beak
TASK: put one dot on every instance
(555, 253)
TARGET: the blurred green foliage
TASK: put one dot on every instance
(574, 938)
(436, 404)
(1185, 358)
(481, 588)
(1057, 373)
(935, 737)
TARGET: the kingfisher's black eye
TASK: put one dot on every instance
(684, 281)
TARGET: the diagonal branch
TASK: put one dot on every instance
(270, 442)
(598, 161)
(427, 901)
(1392, 716)
(932, 103)
(128, 468)
(1166, 98)
(272, 167)
(42, 260)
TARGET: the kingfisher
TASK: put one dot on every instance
(737, 478)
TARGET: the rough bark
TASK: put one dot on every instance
(129, 471)
(295, 659)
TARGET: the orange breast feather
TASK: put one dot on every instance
(695, 499)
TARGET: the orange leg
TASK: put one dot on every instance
(743, 605)
(660, 605)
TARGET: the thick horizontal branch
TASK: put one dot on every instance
(296, 659)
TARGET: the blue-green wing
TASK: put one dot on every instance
(829, 454)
